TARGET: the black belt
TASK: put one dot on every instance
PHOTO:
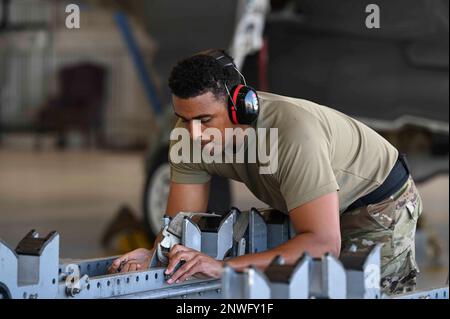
(393, 183)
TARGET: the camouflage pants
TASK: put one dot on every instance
(392, 223)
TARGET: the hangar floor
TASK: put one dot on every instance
(77, 193)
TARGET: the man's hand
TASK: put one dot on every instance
(133, 261)
(196, 263)
(182, 197)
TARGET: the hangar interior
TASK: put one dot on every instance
(85, 113)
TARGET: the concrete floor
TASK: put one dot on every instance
(77, 193)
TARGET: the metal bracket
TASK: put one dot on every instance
(34, 269)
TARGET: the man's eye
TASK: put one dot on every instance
(206, 120)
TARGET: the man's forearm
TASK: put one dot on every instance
(290, 251)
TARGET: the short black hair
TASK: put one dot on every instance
(200, 74)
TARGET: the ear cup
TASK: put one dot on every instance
(244, 105)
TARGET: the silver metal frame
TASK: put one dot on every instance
(34, 270)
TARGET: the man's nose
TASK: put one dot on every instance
(195, 130)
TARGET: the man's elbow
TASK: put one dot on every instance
(319, 244)
(331, 244)
(335, 248)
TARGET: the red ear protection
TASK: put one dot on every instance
(232, 107)
(243, 105)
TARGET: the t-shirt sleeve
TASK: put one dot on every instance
(305, 172)
(183, 174)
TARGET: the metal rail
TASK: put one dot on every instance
(34, 270)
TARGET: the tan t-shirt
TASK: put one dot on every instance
(320, 150)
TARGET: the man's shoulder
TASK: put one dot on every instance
(287, 113)
(268, 97)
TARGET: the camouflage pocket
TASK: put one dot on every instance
(383, 213)
(404, 206)
(371, 218)
(391, 222)
(409, 204)
(368, 225)
(408, 208)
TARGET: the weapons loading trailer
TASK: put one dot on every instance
(34, 270)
